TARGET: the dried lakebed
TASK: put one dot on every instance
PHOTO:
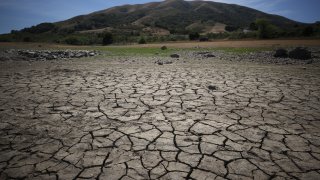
(129, 118)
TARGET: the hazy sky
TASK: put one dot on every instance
(17, 14)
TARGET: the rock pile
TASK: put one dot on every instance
(297, 53)
(281, 53)
(53, 54)
(300, 53)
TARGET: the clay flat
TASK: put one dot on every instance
(133, 119)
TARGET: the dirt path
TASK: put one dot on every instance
(108, 120)
(212, 44)
(237, 44)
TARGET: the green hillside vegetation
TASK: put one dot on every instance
(181, 19)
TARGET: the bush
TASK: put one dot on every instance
(164, 48)
(231, 28)
(267, 30)
(308, 31)
(107, 39)
(72, 41)
(40, 28)
(253, 26)
(5, 38)
(218, 35)
(194, 36)
(142, 41)
(27, 39)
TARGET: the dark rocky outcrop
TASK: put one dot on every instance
(281, 53)
(53, 54)
(300, 53)
(175, 55)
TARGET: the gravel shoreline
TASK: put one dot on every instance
(264, 57)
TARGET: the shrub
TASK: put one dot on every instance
(142, 41)
(266, 29)
(308, 31)
(164, 48)
(40, 28)
(107, 39)
(27, 39)
(231, 28)
(5, 38)
(194, 36)
(72, 41)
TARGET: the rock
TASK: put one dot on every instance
(209, 55)
(79, 55)
(164, 48)
(175, 55)
(212, 88)
(205, 54)
(50, 55)
(309, 61)
(281, 53)
(300, 53)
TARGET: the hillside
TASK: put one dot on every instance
(172, 15)
(168, 20)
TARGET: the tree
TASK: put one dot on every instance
(194, 36)
(253, 26)
(27, 39)
(231, 28)
(266, 29)
(72, 40)
(107, 39)
(262, 25)
(308, 31)
(142, 41)
(40, 28)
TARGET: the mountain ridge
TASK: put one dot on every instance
(170, 20)
(172, 15)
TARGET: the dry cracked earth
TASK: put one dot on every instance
(131, 119)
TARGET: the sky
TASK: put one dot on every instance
(18, 14)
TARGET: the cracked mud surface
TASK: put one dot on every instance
(116, 120)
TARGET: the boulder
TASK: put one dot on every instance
(209, 55)
(212, 88)
(175, 55)
(281, 53)
(300, 53)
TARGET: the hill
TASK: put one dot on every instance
(156, 19)
(172, 15)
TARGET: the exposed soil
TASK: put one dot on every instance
(130, 118)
